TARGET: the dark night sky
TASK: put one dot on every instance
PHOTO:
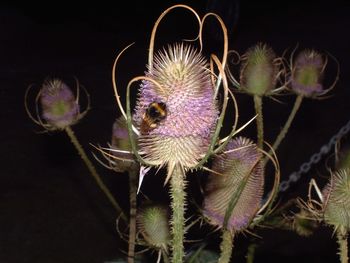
(50, 209)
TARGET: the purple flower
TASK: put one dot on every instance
(177, 116)
(259, 70)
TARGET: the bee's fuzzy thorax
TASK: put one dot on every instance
(186, 88)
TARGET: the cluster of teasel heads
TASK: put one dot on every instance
(187, 133)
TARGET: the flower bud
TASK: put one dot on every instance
(259, 70)
(336, 203)
(240, 161)
(153, 223)
(307, 73)
(59, 106)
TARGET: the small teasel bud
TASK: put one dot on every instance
(121, 142)
(307, 73)
(59, 106)
(336, 203)
(259, 70)
(153, 224)
(240, 161)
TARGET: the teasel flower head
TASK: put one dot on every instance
(240, 161)
(121, 147)
(153, 224)
(59, 106)
(260, 70)
(176, 113)
(60, 109)
(307, 73)
(336, 200)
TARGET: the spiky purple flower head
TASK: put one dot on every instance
(153, 224)
(59, 106)
(240, 160)
(185, 88)
(307, 73)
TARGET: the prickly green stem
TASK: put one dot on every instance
(226, 247)
(286, 126)
(259, 120)
(177, 192)
(132, 220)
(342, 238)
(93, 172)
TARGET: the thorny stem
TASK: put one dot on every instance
(177, 192)
(342, 238)
(93, 172)
(132, 220)
(226, 246)
(259, 120)
(286, 126)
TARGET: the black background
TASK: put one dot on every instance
(50, 208)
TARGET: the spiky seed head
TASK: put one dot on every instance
(120, 141)
(336, 196)
(153, 224)
(59, 106)
(259, 70)
(186, 90)
(307, 73)
(242, 160)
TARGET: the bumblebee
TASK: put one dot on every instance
(154, 114)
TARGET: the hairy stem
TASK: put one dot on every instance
(286, 126)
(133, 209)
(226, 246)
(93, 172)
(342, 238)
(259, 120)
(178, 195)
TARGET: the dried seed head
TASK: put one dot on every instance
(153, 223)
(180, 114)
(337, 200)
(307, 73)
(259, 70)
(120, 141)
(242, 160)
(59, 106)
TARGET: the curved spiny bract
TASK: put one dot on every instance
(241, 161)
